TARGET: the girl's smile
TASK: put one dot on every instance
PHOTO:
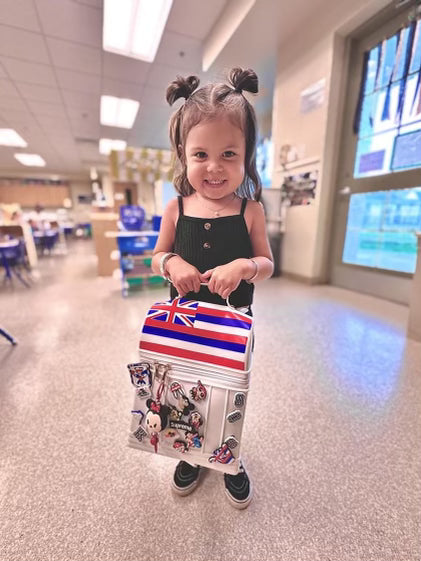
(215, 154)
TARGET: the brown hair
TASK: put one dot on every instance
(208, 103)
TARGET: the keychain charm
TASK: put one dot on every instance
(223, 454)
(195, 420)
(198, 392)
(181, 446)
(139, 414)
(157, 415)
(194, 440)
(140, 374)
(177, 390)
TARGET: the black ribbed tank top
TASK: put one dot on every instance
(209, 242)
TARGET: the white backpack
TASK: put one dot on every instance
(191, 382)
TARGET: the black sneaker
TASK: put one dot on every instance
(238, 488)
(186, 478)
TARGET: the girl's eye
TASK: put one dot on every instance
(200, 155)
(229, 154)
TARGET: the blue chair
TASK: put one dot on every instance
(13, 259)
(9, 337)
(132, 217)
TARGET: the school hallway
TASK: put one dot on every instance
(331, 438)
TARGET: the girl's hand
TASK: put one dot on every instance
(224, 279)
(185, 277)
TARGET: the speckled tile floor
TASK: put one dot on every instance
(332, 435)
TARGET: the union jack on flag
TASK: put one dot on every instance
(198, 331)
(179, 311)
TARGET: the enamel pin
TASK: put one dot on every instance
(239, 399)
(234, 416)
(140, 433)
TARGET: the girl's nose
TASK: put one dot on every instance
(214, 166)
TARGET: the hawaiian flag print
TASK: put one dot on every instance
(198, 331)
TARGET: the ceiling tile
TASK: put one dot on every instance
(7, 160)
(162, 75)
(22, 44)
(85, 114)
(71, 21)
(19, 119)
(180, 51)
(45, 108)
(39, 93)
(13, 103)
(85, 128)
(52, 122)
(93, 3)
(82, 100)
(78, 81)
(125, 68)
(19, 13)
(7, 88)
(114, 132)
(29, 72)
(118, 88)
(73, 56)
(155, 97)
(88, 150)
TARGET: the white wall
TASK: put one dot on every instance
(316, 51)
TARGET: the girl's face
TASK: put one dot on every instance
(215, 153)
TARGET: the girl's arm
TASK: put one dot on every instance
(185, 277)
(225, 279)
(262, 253)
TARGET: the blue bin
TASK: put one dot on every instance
(156, 222)
(132, 244)
(150, 241)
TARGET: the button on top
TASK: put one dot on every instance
(207, 225)
(206, 245)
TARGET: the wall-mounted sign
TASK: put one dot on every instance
(313, 96)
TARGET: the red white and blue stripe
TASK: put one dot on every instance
(198, 331)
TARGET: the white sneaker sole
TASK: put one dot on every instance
(240, 505)
(184, 491)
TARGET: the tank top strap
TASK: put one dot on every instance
(243, 206)
(180, 205)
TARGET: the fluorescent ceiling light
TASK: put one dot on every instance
(134, 28)
(118, 112)
(9, 137)
(30, 160)
(107, 144)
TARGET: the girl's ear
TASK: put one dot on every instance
(180, 152)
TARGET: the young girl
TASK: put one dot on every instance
(215, 232)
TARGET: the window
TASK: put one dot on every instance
(388, 118)
(381, 229)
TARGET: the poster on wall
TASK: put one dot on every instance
(299, 189)
(313, 96)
